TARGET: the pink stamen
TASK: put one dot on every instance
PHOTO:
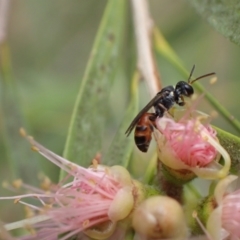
(74, 206)
(187, 142)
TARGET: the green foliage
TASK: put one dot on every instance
(18, 150)
(223, 15)
(232, 145)
(90, 112)
(121, 147)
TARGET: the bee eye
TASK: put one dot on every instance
(188, 90)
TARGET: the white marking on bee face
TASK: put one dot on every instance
(172, 93)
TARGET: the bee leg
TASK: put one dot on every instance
(160, 109)
(152, 117)
(182, 103)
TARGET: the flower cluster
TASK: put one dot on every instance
(104, 202)
(92, 202)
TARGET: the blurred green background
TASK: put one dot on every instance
(50, 42)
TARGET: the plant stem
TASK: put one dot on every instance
(143, 25)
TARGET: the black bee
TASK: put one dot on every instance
(162, 102)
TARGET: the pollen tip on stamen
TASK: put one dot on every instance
(28, 212)
(213, 80)
(94, 163)
(214, 114)
(46, 208)
(45, 181)
(92, 182)
(17, 183)
(98, 157)
(200, 119)
(17, 200)
(22, 132)
(205, 138)
(85, 223)
(35, 149)
(196, 126)
(194, 214)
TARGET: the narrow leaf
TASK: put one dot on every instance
(231, 143)
(89, 115)
(151, 169)
(121, 148)
(223, 15)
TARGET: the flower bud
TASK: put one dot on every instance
(160, 217)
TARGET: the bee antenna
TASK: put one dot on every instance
(203, 76)
(191, 73)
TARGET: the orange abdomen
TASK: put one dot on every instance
(143, 131)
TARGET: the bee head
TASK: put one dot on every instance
(184, 88)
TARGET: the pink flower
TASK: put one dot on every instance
(188, 142)
(224, 221)
(231, 214)
(92, 202)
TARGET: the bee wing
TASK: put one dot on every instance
(145, 109)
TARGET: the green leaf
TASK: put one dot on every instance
(151, 169)
(231, 143)
(223, 15)
(90, 111)
(121, 148)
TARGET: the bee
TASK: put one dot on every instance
(162, 102)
